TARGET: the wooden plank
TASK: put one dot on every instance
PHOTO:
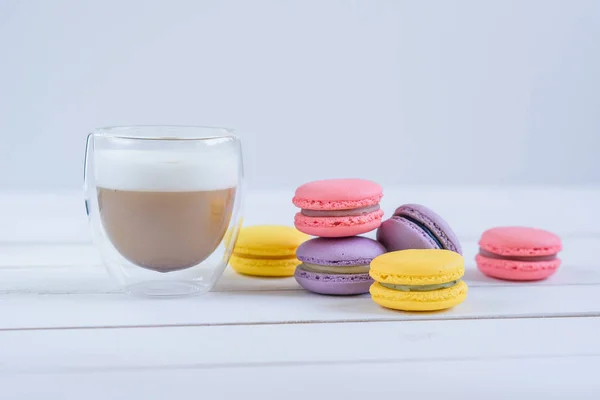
(569, 377)
(254, 307)
(77, 268)
(101, 350)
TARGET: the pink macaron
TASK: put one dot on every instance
(518, 253)
(338, 207)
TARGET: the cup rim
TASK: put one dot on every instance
(198, 132)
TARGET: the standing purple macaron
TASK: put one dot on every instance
(414, 226)
(337, 266)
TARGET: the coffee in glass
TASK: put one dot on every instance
(163, 203)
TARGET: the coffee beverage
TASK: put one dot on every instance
(165, 231)
(165, 211)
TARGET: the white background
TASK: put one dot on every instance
(395, 91)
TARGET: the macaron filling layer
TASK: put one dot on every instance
(328, 269)
(425, 229)
(340, 213)
(485, 253)
(420, 288)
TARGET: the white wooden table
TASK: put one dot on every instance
(66, 333)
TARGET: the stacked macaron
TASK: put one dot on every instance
(336, 210)
(337, 266)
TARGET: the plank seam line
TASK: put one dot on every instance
(13, 292)
(284, 364)
(309, 322)
(9, 292)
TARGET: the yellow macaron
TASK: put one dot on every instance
(267, 250)
(418, 280)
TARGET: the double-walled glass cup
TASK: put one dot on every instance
(164, 205)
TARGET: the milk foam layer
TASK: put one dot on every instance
(166, 171)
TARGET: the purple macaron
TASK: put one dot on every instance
(337, 266)
(414, 226)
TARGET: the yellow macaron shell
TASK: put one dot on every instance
(267, 250)
(417, 267)
(269, 240)
(264, 267)
(419, 301)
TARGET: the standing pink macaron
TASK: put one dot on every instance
(518, 253)
(338, 207)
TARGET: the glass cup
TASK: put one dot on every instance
(164, 205)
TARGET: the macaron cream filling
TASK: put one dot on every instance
(328, 269)
(485, 253)
(420, 288)
(340, 213)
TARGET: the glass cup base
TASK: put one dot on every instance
(167, 289)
